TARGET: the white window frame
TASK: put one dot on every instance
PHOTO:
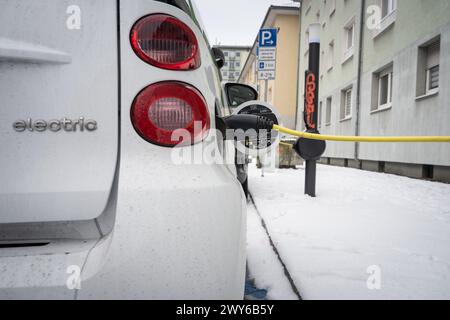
(347, 31)
(344, 115)
(388, 104)
(306, 60)
(427, 60)
(328, 111)
(307, 41)
(392, 7)
(319, 117)
(322, 63)
(387, 20)
(308, 7)
(330, 57)
(332, 9)
(349, 50)
(429, 67)
(428, 89)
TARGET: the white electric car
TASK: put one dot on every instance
(92, 205)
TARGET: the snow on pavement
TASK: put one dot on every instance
(358, 220)
(264, 267)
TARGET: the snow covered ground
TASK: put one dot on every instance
(359, 222)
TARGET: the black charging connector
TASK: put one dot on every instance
(248, 122)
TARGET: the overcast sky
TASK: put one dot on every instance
(234, 22)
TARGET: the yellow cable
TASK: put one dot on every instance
(312, 136)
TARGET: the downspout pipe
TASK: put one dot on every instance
(359, 81)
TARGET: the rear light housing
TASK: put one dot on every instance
(163, 108)
(165, 42)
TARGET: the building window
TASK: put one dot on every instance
(238, 64)
(320, 114)
(332, 7)
(388, 17)
(238, 54)
(225, 53)
(306, 59)
(349, 39)
(388, 7)
(382, 89)
(328, 111)
(433, 79)
(225, 74)
(330, 61)
(346, 103)
(236, 74)
(307, 41)
(349, 36)
(428, 69)
(322, 65)
(307, 5)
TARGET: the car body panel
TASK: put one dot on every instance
(50, 72)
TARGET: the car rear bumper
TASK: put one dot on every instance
(178, 233)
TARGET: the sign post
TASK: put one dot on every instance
(267, 55)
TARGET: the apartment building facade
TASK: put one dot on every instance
(235, 57)
(281, 92)
(384, 72)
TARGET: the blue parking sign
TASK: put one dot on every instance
(267, 38)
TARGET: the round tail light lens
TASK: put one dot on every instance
(163, 108)
(165, 42)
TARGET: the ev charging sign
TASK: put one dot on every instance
(267, 54)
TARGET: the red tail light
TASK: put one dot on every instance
(165, 42)
(164, 107)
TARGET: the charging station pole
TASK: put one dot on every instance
(311, 102)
